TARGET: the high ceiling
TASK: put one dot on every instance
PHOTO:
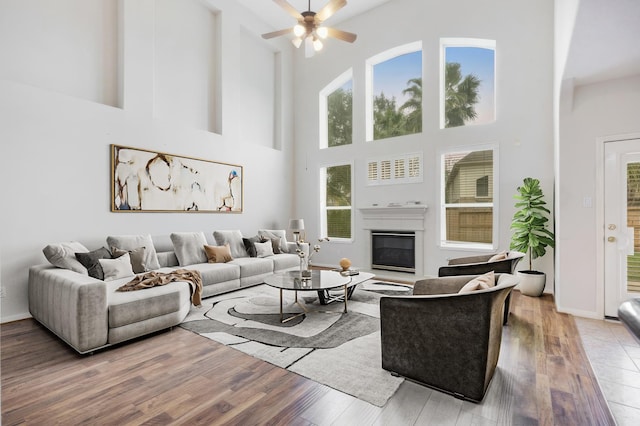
(605, 43)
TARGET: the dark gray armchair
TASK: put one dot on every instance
(480, 264)
(442, 339)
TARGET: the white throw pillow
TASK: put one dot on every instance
(264, 249)
(63, 255)
(117, 268)
(271, 234)
(189, 247)
(132, 242)
(234, 239)
(481, 282)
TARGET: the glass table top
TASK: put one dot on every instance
(319, 280)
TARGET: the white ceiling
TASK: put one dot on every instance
(278, 18)
(605, 43)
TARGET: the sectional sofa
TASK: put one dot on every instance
(88, 313)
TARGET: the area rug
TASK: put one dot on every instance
(339, 350)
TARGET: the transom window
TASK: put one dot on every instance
(336, 112)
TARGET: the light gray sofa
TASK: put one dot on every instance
(89, 314)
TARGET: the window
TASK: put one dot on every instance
(404, 168)
(467, 215)
(336, 201)
(467, 89)
(336, 112)
(394, 92)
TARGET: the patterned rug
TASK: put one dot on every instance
(249, 320)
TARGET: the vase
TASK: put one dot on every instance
(305, 272)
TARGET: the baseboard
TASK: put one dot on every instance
(16, 317)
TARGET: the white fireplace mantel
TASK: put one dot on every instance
(401, 218)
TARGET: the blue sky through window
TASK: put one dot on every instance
(390, 77)
(481, 63)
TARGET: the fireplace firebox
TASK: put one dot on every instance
(393, 250)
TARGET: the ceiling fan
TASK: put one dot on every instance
(309, 27)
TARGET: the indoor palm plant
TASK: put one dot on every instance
(530, 233)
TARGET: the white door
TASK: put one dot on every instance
(622, 223)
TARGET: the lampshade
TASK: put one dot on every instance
(296, 224)
(322, 32)
(299, 30)
(317, 45)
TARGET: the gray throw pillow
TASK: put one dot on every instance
(234, 239)
(249, 245)
(136, 256)
(63, 255)
(272, 234)
(91, 261)
(132, 242)
(189, 247)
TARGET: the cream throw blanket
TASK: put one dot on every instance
(152, 279)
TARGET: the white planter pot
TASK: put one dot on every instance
(532, 282)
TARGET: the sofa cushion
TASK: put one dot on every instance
(285, 261)
(264, 249)
(281, 245)
(250, 266)
(133, 306)
(132, 242)
(218, 254)
(213, 273)
(63, 255)
(117, 268)
(498, 257)
(136, 256)
(91, 259)
(189, 247)
(234, 239)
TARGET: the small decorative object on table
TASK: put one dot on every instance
(305, 262)
(345, 264)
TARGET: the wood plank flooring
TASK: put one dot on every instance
(177, 377)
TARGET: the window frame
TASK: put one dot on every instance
(368, 92)
(323, 200)
(466, 42)
(323, 122)
(467, 245)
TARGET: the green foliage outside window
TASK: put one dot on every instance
(338, 202)
(389, 120)
(339, 115)
(461, 96)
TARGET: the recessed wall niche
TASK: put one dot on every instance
(69, 47)
(186, 64)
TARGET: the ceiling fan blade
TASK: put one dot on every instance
(290, 9)
(341, 35)
(329, 9)
(277, 33)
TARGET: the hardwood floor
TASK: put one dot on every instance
(177, 377)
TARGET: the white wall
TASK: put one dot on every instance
(523, 131)
(597, 110)
(55, 140)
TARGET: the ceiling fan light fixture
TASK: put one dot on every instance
(322, 32)
(299, 30)
(297, 42)
(317, 44)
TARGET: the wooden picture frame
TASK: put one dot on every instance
(150, 181)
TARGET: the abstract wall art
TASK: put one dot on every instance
(149, 181)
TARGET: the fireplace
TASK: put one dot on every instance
(393, 250)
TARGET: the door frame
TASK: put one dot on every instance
(600, 225)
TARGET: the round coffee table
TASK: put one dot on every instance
(320, 280)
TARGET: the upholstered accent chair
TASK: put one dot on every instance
(482, 264)
(443, 339)
(629, 315)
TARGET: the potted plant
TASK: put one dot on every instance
(530, 233)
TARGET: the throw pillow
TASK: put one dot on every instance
(63, 255)
(264, 249)
(132, 242)
(188, 247)
(249, 245)
(91, 259)
(498, 256)
(136, 256)
(234, 239)
(115, 269)
(270, 234)
(218, 254)
(481, 282)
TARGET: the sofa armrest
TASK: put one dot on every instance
(71, 305)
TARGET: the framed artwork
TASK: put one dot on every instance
(149, 181)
